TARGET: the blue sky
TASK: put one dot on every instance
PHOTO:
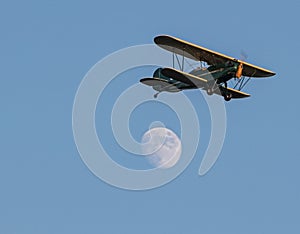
(46, 49)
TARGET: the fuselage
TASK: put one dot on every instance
(219, 73)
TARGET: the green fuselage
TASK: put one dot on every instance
(219, 73)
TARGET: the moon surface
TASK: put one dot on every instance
(162, 147)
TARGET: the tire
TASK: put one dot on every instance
(209, 91)
(227, 97)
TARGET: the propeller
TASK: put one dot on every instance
(244, 56)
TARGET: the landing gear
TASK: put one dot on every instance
(211, 87)
(227, 97)
(210, 91)
(156, 95)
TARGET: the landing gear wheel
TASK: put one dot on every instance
(209, 91)
(227, 97)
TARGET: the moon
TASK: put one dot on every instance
(162, 147)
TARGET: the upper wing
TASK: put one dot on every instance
(251, 70)
(211, 57)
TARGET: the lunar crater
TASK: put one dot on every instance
(161, 147)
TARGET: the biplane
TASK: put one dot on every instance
(212, 74)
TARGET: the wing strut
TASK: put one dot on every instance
(182, 60)
(180, 65)
(242, 83)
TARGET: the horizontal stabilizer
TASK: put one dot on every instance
(160, 84)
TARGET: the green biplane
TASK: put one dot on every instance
(215, 71)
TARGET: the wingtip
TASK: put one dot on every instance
(272, 73)
(159, 37)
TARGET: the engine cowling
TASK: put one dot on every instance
(239, 71)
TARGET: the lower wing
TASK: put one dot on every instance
(184, 77)
(233, 92)
(202, 83)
